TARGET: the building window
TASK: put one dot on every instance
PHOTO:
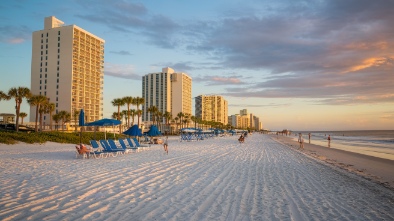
(47, 35)
(41, 64)
(47, 39)
(42, 46)
(46, 51)
(58, 56)
(46, 57)
(45, 93)
(58, 33)
(57, 86)
(46, 69)
(46, 46)
(41, 58)
(42, 35)
(56, 98)
(58, 44)
(58, 74)
(40, 75)
(46, 63)
(57, 92)
(58, 50)
(57, 80)
(42, 52)
(45, 87)
(40, 69)
(58, 62)
(40, 87)
(56, 105)
(45, 81)
(58, 38)
(45, 75)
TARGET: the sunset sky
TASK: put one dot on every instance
(299, 65)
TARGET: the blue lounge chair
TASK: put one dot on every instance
(137, 144)
(107, 148)
(97, 153)
(132, 145)
(113, 146)
(127, 146)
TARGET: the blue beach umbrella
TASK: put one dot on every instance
(133, 131)
(153, 131)
(81, 118)
(104, 122)
(81, 123)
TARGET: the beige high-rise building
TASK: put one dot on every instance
(212, 108)
(68, 67)
(168, 91)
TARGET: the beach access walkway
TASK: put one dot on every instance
(214, 179)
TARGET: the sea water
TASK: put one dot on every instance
(377, 143)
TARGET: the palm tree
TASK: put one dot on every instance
(187, 116)
(22, 115)
(18, 94)
(180, 115)
(56, 118)
(37, 100)
(65, 117)
(128, 101)
(167, 116)
(153, 110)
(41, 111)
(194, 119)
(139, 113)
(76, 114)
(132, 112)
(125, 114)
(137, 102)
(176, 123)
(50, 108)
(4, 96)
(118, 102)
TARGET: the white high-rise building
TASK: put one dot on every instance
(68, 67)
(168, 91)
(211, 108)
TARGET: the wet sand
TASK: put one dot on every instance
(372, 168)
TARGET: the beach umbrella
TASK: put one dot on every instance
(81, 118)
(81, 123)
(153, 131)
(133, 131)
(104, 122)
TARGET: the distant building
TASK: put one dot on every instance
(168, 91)
(211, 108)
(68, 67)
(245, 120)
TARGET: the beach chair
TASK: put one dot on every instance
(95, 151)
(137, 144)
(127, 146)
(107, 148)
(113, 146)
(132, 145)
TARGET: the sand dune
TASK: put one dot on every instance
(215, 179)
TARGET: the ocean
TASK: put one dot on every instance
(377, 143)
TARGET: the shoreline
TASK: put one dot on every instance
(372, 168)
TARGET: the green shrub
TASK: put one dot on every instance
(12, 137)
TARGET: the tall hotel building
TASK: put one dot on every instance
(168, 91)
(212, 108)
(68, 67)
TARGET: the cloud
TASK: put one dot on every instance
(14, 35)
(120, 52)
(121, 71)
(134, 18)
(213, 80)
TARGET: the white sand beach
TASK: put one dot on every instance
(214, 179)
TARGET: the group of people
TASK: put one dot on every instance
(301, 140)
(241, 139)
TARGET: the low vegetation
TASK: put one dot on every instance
(12, 137)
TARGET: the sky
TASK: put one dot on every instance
(298, 65)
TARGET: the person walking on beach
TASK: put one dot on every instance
(329, 140)
(301, 141)
(309, 137)
(165, 145)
